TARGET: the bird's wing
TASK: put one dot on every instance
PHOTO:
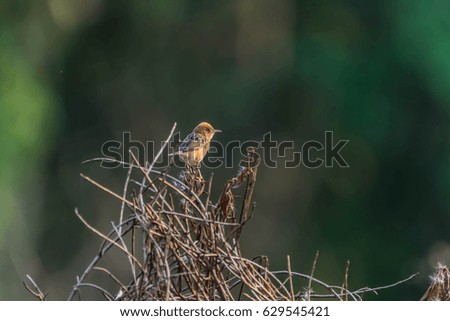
(192, 142)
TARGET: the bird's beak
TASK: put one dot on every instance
(217, 131)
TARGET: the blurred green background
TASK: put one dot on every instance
(76, 73)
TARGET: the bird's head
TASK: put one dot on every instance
(206, 130)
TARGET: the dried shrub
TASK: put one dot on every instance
(439, 289)
(181, 245)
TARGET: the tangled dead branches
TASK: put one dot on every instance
(439, 289)
(182, 245)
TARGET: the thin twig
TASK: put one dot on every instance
(103, 236)
(108, 295)
(345, 283)
(124, 195)
(149, 169)
(111, 275)
(291, 285)
(36, 292)
(374, 290)
(90, 180)
(313, 268)
(312, 279)
(103, 249)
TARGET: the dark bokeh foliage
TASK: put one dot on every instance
(75, 74)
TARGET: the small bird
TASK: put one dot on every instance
(195, 146)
